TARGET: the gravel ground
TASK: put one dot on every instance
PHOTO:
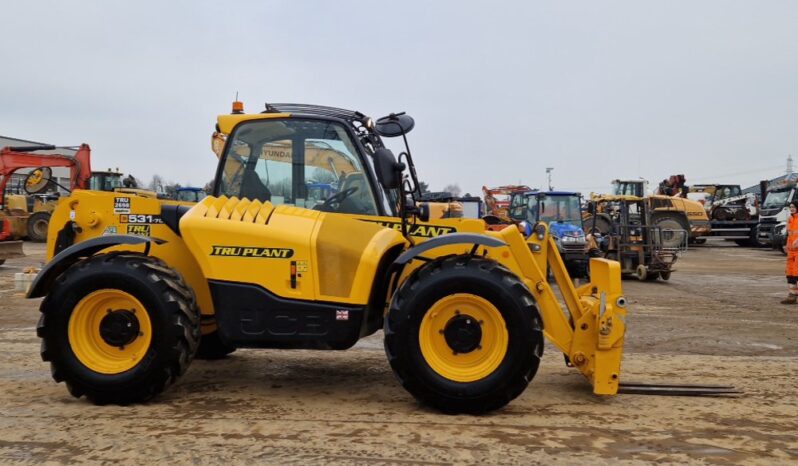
(716, 321)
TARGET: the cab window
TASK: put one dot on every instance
(306, 163)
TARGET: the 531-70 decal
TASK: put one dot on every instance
(140, 218)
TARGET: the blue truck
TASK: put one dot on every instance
(562, 211)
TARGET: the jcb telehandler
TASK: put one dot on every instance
(464, 310)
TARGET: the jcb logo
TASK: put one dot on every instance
(243, 251)
(422, 231)
(141, 230)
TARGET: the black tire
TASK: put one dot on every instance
(671, 221)
(168, 303)
(2, 261)
(212, 347)
(700, 240)
(755, 241)
(653, 276)
(743, 243)
(487, 280)
(665, 275)
(38, 223)
(602, 226)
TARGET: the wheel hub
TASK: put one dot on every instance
(119, 328)
(463, 333)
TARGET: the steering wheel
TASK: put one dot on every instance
(333, 203)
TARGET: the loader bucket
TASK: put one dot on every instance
(10, 250)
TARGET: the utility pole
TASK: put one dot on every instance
(548, 172)
(789, 164)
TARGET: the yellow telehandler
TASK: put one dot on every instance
(134, 285)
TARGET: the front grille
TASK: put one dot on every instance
(573, 247)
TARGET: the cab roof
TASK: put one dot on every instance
(226, 123)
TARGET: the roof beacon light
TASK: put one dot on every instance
(238, 106)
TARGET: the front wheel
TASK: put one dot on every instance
(38, 223)
(119, 328)
(463, 335)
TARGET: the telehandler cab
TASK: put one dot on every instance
(464, 310)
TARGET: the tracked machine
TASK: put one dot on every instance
(464, 310)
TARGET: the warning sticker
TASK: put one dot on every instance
(301, 266)
(121, 205)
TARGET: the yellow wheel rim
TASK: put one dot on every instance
(109, 331)
(465, 310)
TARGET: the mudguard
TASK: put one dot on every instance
(72, 254)
(446, 240)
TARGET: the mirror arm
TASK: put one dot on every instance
(403, 211)
(412, 166)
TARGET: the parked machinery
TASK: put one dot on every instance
(774, 210)
(562, 212)
(732, 214)
(16, 219)
(497, 202)
(623, 230)
(190, 194)
(669, 207)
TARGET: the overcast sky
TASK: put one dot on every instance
(499, 91)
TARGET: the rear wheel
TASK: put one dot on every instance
(665, 275)
(463, 335)
(669, 226)
(119, 328)
(602, 225)
(38, 223)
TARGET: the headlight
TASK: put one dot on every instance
(573, 239)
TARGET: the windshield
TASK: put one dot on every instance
(306, 163)
(105, 181)
(565, 209)
(776, 199)
(726, 191)
(627, 188)
(190, 195)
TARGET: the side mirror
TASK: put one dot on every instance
(37, 180)
(395, 124)
(389, 172)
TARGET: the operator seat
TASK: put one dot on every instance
(253, 188)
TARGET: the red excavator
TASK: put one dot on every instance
(497, 202)
(16, 220)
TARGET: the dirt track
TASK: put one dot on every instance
(716, 321)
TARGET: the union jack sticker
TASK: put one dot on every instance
(341, 315)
